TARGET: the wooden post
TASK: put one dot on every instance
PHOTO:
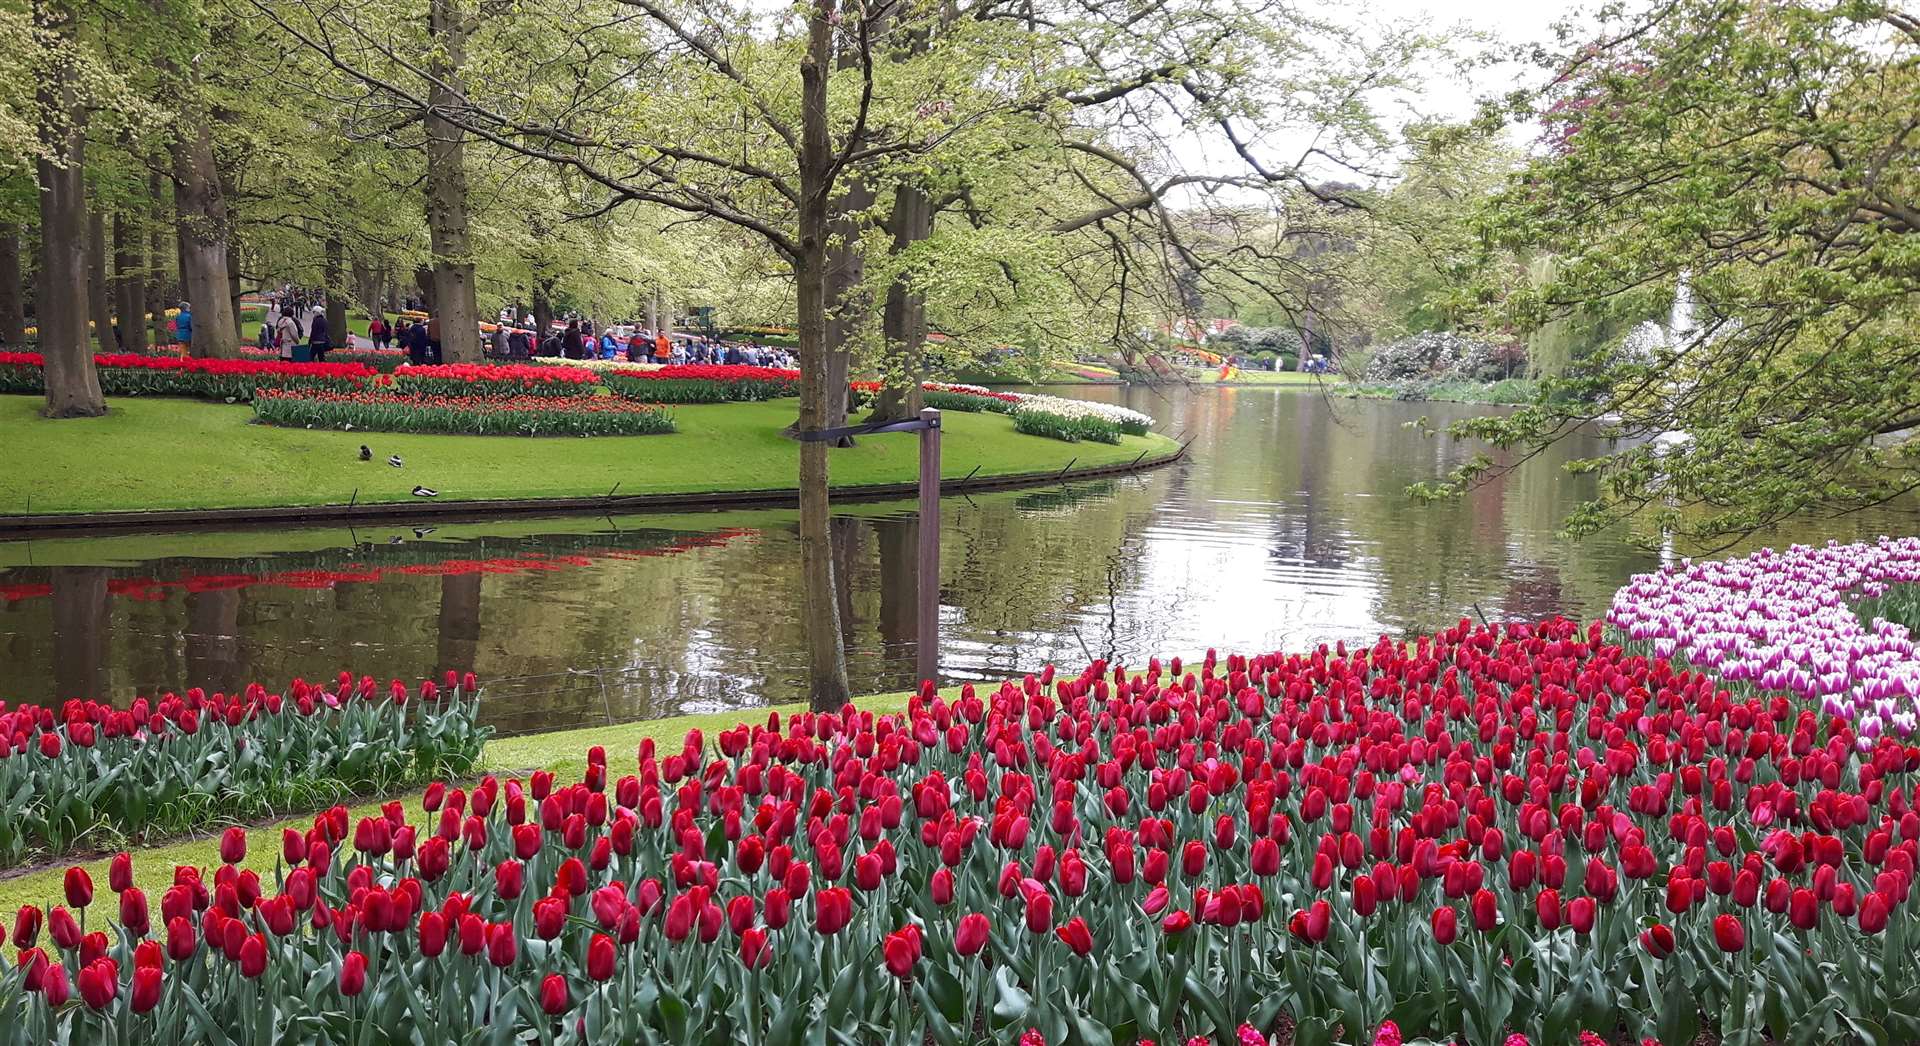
(927, 663)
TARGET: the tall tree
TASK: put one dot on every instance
(73, 386)
(453, 292)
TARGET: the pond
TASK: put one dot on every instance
(1286, 525)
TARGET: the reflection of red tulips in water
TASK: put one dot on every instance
(1464, 831)
(150, 589)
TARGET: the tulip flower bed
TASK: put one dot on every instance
(703, 383)
(1491, 831)
(482, 379)
(481, 415)
(1787, 621)
(233, 380)
(170, 764)
(383, 360)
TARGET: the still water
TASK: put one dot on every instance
(1286, 525)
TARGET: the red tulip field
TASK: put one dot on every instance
(1517, 831)
(168, 765)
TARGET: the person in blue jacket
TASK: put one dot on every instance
(183, 325)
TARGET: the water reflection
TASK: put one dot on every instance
(1286, 525)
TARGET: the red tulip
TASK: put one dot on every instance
(553, 995)
(1547, 907)
(1580, 914)
(832, 910)
(1657, 940)
(1264, 858)
(1039, 910)
(182, 941)
(432, 933)
(600, 955)
(120, 872)
(1486, 911)
(353, 974)
(54, 986)
(133, 911)
(79, 887)
(755, 952)
(146, 989)
(26, 926)
(1446, 925)
(503, 945)
(941, 886)
(253, 956)
(99, 983)
(1728, 933)
(1176, 922)
(66, 932)
(1803, 909)
(1077, 936)
(1319, 921)
(899, 954)
(971, 934)
(1873, 913)
(233, 845)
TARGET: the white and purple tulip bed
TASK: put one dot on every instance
(1788, 621)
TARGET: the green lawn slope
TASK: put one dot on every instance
(186, 454)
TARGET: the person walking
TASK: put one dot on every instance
(183, 329)
(573, 346)
(377, 331)
(286, 333)
(500, 340)
(318, 339)
(419, 348)
(519, 345)
(662, 349)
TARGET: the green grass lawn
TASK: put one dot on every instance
(564, 752)
(181, 454)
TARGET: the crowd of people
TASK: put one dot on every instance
(638, 345)
(296, 327)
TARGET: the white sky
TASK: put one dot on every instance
(1513, 22)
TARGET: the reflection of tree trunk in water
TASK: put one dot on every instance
(899, 542)
(80, 622)
(844, 531)
(459, 629)
(213, 640)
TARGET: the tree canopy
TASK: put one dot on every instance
(1760, 164)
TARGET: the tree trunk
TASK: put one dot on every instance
(366, 286)
(13, 304)
(130, 299)
(99, 289)
(542, 308)
(337, 292)
(157, 284)
(846, 305)
(903, 322)
(202, 208)
(453, 301)
(73, 385)
(826, 656)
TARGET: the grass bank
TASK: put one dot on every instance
(563, 751)
(184, 454)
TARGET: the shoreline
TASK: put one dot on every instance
(489, 508)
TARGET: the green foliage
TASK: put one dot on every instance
(1762, 158)
(1899, 604)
